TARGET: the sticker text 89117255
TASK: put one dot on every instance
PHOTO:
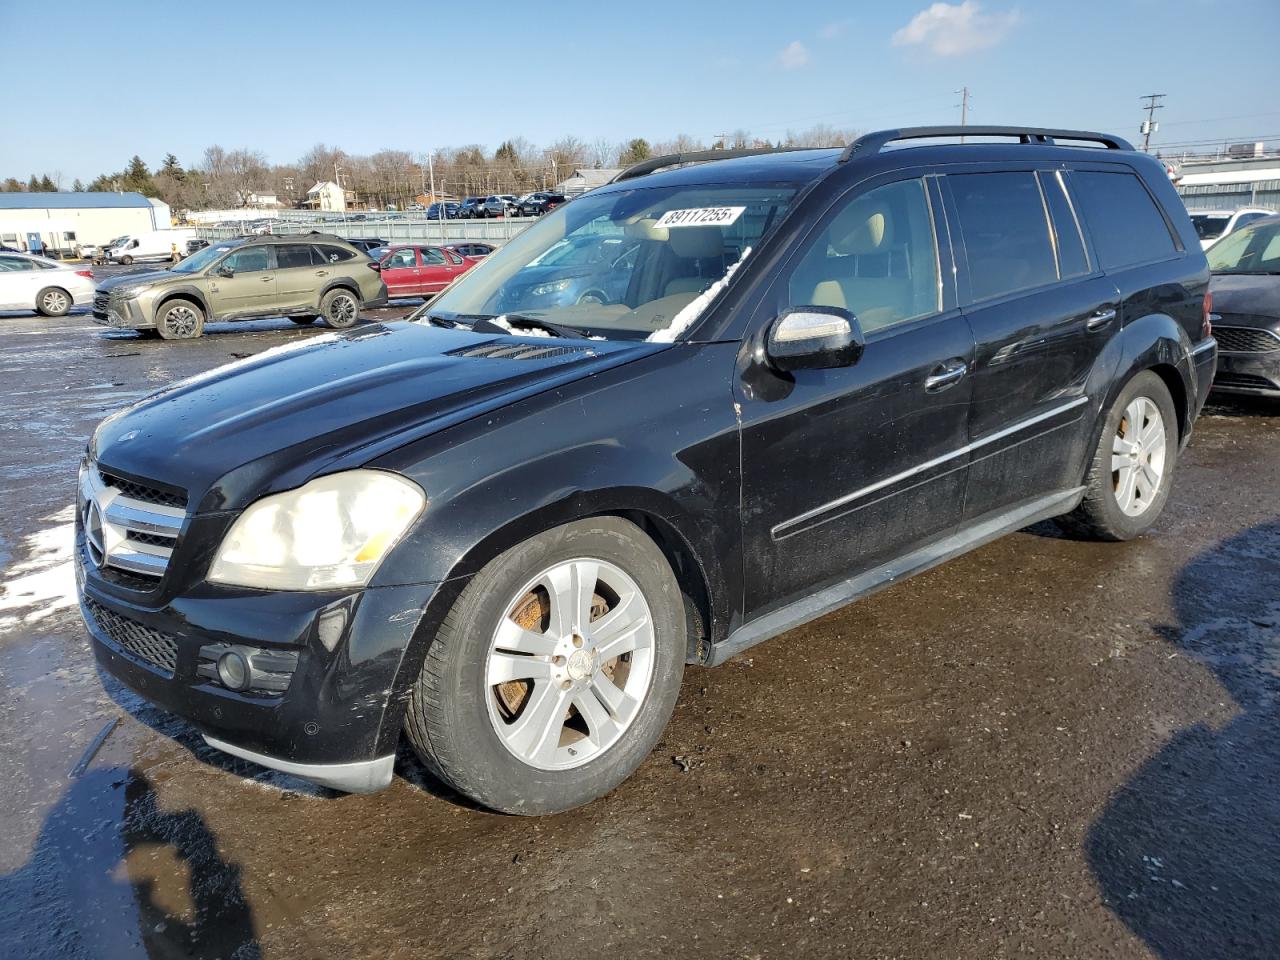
(700, 217)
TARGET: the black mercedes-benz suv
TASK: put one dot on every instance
(503, 532)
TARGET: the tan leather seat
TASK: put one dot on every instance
(695, 244)
(863, 232)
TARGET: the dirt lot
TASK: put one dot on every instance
(1046, 748)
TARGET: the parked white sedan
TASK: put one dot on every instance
(46, 286)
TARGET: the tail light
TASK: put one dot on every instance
(1206, 316)
(85, 273)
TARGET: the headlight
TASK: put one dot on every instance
(333, 532)
(543, 289)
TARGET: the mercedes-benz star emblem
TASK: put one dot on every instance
(94, 537)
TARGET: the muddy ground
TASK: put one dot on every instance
(1046, 748)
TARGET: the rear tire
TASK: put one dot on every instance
(53, 302)
(180, 320)
(340, 308)
(588, 673)
(1132, 468)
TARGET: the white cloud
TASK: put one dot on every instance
(952, 29)
(793, 56)
(834, 30)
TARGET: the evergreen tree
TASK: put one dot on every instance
(173, 168)
(47, 185)
(33, 184)
(78, 187)
(635, 151)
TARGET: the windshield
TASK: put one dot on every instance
(1255, 249)
(627, 265)
(201, 259)
(1209, 225)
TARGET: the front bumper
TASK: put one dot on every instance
(334, 723)
(1257, 374)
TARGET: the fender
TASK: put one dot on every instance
(186, 292)
(1156, 342)
(347, 283)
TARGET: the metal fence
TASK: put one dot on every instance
(1229, 196)
(401, 229)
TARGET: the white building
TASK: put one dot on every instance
(327, 195)
(1225, 183)
(584, 179)
(62, 222)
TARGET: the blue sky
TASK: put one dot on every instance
(90, 84)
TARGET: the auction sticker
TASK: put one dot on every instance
(700, 217)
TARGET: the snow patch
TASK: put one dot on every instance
(683, 320)
(506, 325)
(45, 582)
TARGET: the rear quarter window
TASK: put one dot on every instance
(331, 254)
(1126, 225)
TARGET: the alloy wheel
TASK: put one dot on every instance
(55, 301)
(570, 664)
(342, 310)
(1138, 457)
(181, 321)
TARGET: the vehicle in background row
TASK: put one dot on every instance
(586, 270)
(505, 532)
(28, 282)
(304, 278)
(443, 210)
(499, 205)
(197, 244)
(152, 245)
(1246, 307)
(471, 248)
(1212, 225)
(536, 204)
(366, 244)
(472, 208)
(413, 270)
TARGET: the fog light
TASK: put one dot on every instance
(233, 671)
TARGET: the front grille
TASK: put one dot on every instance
(143, 492)
(130, 527)
(1245, 339)
(151, 646)
(1243, 381)
(101, 301)
(505, 350)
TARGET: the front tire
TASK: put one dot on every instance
(180, 320)
(1131, 472)
(340, 308)
(555, 672)
(53, 302)
(127, 261)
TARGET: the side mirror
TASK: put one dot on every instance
(814, 338)
(226, 272)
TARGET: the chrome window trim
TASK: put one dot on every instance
(781, 530)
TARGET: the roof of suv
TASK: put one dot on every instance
(800, 166)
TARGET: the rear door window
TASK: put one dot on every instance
(291, 255)
(1006, 232)
(248, 259)
(402, 259)
(1126, 225)
(432, 257)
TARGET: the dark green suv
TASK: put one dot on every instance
(304, 278)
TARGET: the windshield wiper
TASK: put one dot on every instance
(446, 322)
(520, 320)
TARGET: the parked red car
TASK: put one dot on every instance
(410, 270)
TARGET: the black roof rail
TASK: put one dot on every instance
(696, 156)
(875, 142)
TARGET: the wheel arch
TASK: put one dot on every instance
(656, 515)
(346, 283)
(182, 293)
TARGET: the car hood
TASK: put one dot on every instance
(134, 279)
(273, 421)
(1247, 295)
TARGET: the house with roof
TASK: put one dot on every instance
(326, 195)
(584, 179)
(62, 222)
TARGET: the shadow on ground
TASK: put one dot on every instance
(113, 875)
(1187, 853)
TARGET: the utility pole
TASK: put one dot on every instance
(1149, 126)
(964, 108)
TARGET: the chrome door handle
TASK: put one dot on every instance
(1100, 318)
(266, 279)
(945, 375)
